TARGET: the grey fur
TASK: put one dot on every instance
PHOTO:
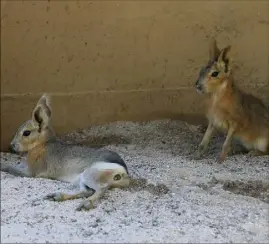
(61, 159)
(95, 170)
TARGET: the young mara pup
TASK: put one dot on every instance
(95, 170)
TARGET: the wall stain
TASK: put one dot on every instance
(70, 58)
(264, 22)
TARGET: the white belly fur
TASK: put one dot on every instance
(71, 172)
(72, 178)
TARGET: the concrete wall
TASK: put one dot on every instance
(126, 60)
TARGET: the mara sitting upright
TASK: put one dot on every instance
(238, 114)
(94, 170)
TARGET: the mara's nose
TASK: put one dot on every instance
(198, 86)
(12, 147)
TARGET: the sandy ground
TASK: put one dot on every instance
(184, 200)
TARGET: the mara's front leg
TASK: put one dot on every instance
(15, 170)
(205, 141)
(226, 147)
(255, 152)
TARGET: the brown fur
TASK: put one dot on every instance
(35, 143)
(34, 159)
(231, 110)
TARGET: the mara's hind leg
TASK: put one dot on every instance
(89, 202)
(60, 196)
(257, 153)
(261, 148)
(99, 180)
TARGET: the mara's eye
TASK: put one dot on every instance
(215, 74)
(26, 133)
(117, 177)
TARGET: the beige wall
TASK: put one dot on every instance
(134, 60)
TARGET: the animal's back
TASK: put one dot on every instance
(65, 159)
(255, 110)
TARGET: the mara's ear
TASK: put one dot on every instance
(214, 51)
(41, 115)
(45, 100)
(224, 59)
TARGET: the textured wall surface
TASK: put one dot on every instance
(134, 60)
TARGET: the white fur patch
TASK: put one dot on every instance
(71, 172)
(107, 166)
(72, 178)
(89, 176)
(261, 144)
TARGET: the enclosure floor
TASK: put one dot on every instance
(206, 201)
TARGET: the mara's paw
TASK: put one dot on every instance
(199, 153)
(85, 205)
(221, 158)
(255, 153)
(56, 197)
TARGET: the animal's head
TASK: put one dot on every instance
(116, 178)
(36, 130)
(214, 75)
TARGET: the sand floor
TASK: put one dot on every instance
(183, 200)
